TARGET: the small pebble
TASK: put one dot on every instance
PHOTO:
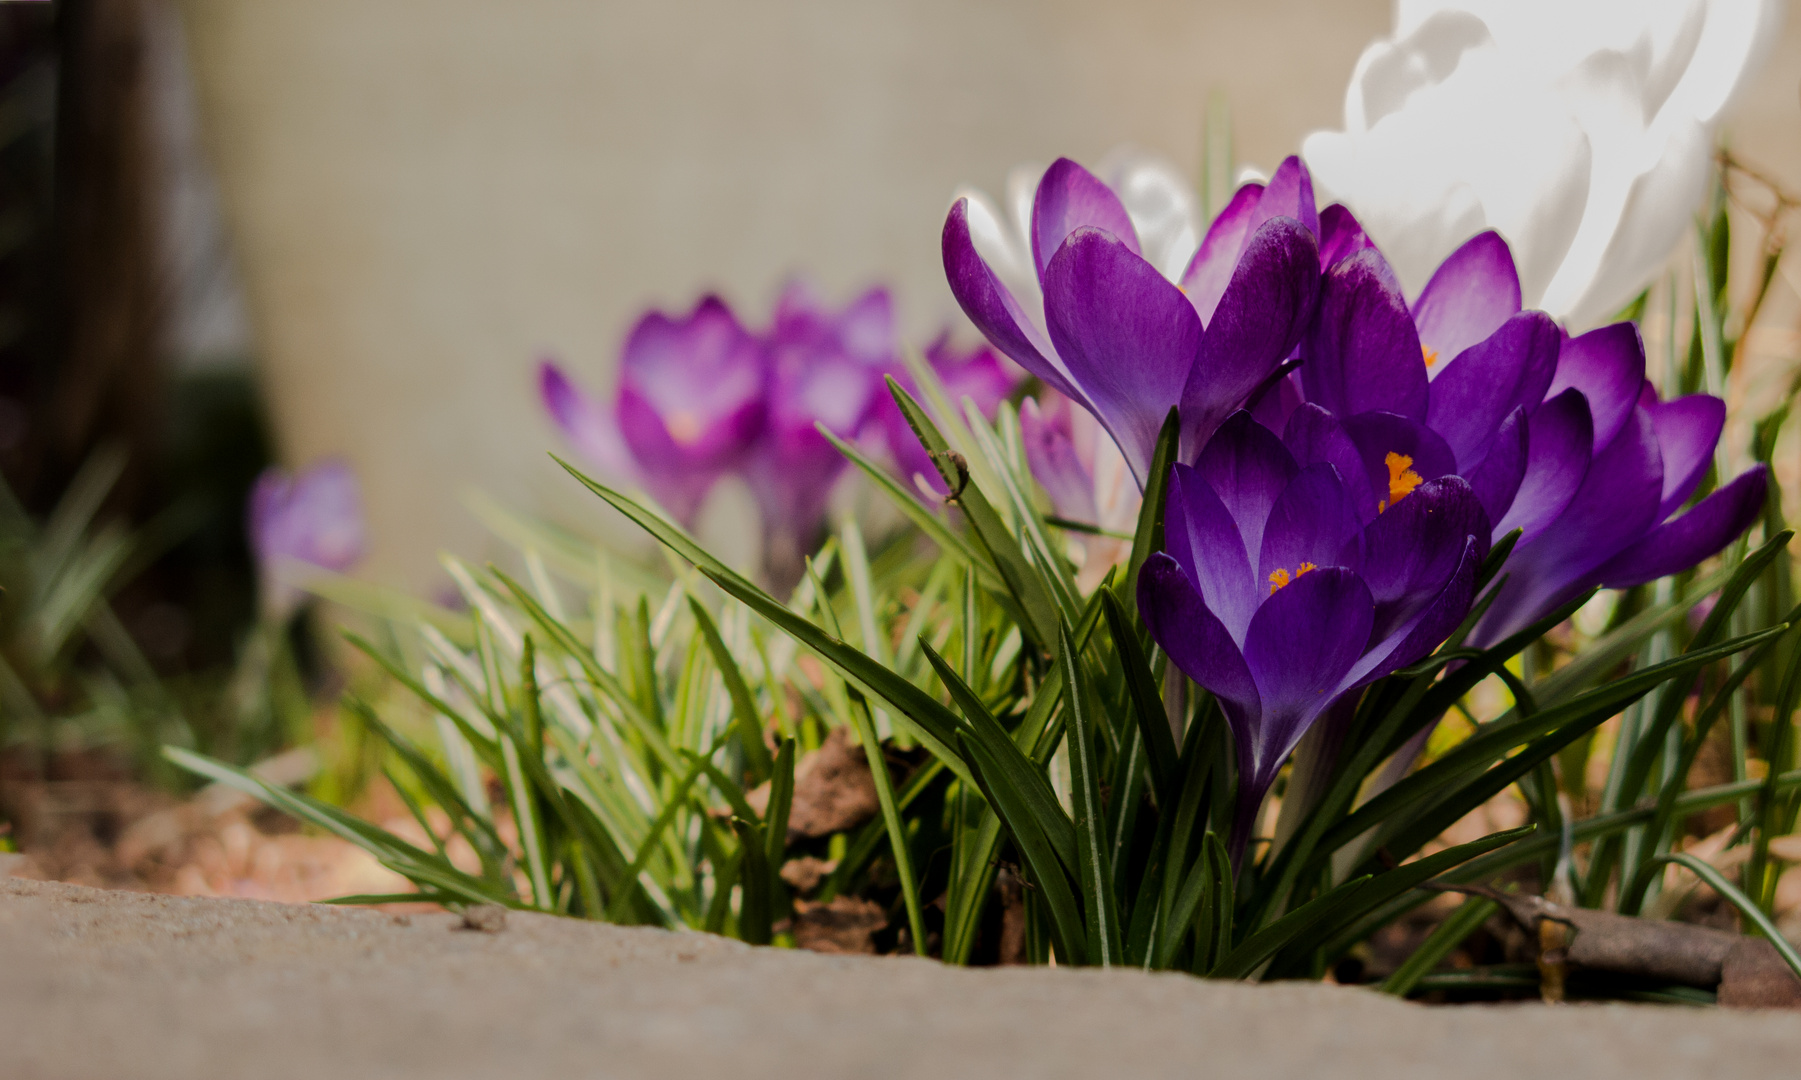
(490, 918)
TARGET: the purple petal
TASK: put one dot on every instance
(1559, 447)
(827, 374)
(1193, 637)
(1687, 431)
(1363, 352)
(1275, 406)
(585, 423)
(1201, 536)
(1127, 335)
(1496, 481)
(1301, 643)
(315, 517)
(1289, 194)
(1314, 435)
(678, 474)
(1398, 455)
(865, 331)
(1310, 526)
(1070, 198)
(993, 309)
(696, 372)
(1051, 455)
(1608, 366)
(1341, 236)
(1258, 321)
(1416, 638)
(1214, 261)
(1248, 468)
(1508, 369)
(792, 479)
(1411, 550)
(1614, 507)
(980, 375)
(1470, 295)
(1676, 545)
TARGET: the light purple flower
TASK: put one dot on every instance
(701, 397)
(825, 368)
(689, 405)
(313, 518)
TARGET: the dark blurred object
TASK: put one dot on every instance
(108, 318)
(86, 172)
(28, 281)
(130, 588)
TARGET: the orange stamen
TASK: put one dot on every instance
(684, 427)
(1431, 355)
(1401, 479)
(1282, 577)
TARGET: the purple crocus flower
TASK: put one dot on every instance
(1128, 330)
(1562, 439)
(825, 368)
(1611, 464)
(690, 402)
(1364, 362)
(314, 518)
(1275, 593)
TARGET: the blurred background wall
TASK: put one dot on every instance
(427, 195)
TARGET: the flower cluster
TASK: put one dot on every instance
(701, 396)
(1347, 455)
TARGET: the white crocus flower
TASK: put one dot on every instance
(1581, 130)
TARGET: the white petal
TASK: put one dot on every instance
(1003, 249)
(1022, 192)
(1656, 213)
(1161, 205)
(1737, 36)
(1388, 76)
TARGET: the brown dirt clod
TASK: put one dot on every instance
(846, 925)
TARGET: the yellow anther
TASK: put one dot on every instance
(1282, 577)
(1401, 479)
(684, 426)
(1431, 355)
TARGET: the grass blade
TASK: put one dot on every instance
(1094, 867)
(744, 704)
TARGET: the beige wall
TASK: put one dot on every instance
(427, 194)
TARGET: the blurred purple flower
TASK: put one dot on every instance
(826, 369)
(689, 404)
(1086, 477)
(313, 518)
(1103, 295)
(701, 397)
(980, 375)
(1275, 593)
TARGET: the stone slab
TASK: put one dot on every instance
(112, 984)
